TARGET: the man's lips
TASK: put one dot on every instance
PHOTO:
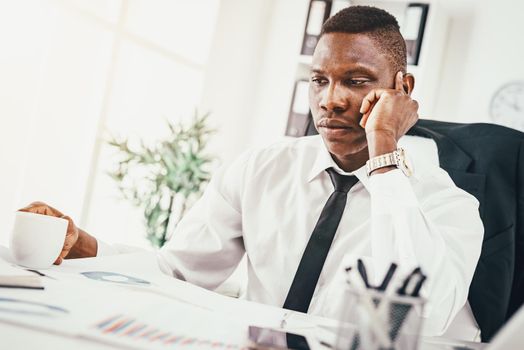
(335, 124)
(335, 127)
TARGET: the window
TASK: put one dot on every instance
(78, 69)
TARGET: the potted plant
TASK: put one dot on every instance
(165, 178)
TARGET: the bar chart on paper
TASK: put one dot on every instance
(138, 333)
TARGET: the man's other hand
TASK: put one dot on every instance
(77, 243)
(387, 115)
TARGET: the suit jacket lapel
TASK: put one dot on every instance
(455, 161)
(450, 155)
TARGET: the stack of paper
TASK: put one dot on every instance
(17, 277)
(24, 282)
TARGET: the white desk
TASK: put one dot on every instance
(163, 302)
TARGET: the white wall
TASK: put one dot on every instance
(49, 94)
(18, 95)
(485, 50)
(233, 76)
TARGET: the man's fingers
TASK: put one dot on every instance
(369, 100)
(374, 95)
(366, 102)
(399, 82)
(364, 120)
(31, 208)
(64, 252)
(41, 208)
(70, 225)
(62, 256)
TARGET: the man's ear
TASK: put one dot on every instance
(408, 83)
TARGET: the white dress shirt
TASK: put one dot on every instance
(267, 202)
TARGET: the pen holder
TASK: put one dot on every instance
(371, 320)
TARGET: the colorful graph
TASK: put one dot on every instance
(123, 326)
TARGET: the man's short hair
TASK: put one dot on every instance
(378, 24)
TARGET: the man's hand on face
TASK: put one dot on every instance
(387, 115)
(72, 231)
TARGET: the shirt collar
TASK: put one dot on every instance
(323, 161)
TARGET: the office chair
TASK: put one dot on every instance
(487, 161)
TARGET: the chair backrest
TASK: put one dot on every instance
(487, 161)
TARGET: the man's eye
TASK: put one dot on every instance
(318, 81)
(356, 82)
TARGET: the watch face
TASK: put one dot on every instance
(507, 105)
(404, 163)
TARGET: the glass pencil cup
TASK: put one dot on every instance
(371, 320)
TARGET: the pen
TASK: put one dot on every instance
(388, 277)
(415, 283)
(40, 273)
(348, 270)
(416, 291)
(327, 345)
(386, 288)
(37, 272)
(402, 289)
(362, 270)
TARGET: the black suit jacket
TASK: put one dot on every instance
(488, 161)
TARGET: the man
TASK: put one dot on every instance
(277, 204)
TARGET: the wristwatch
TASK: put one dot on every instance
(396, 158)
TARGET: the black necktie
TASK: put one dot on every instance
(308, 272)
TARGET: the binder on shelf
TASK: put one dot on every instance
(299, 114)
(413, 30)
(319, 11)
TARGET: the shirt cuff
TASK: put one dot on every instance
(105, 249)
(393, 185)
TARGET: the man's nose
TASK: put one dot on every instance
(334, 99)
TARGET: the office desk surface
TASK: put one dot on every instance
(125, 301)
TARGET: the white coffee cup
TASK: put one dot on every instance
(37, 240)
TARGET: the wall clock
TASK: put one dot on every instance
(507, 105)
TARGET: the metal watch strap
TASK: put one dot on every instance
(382, 161)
